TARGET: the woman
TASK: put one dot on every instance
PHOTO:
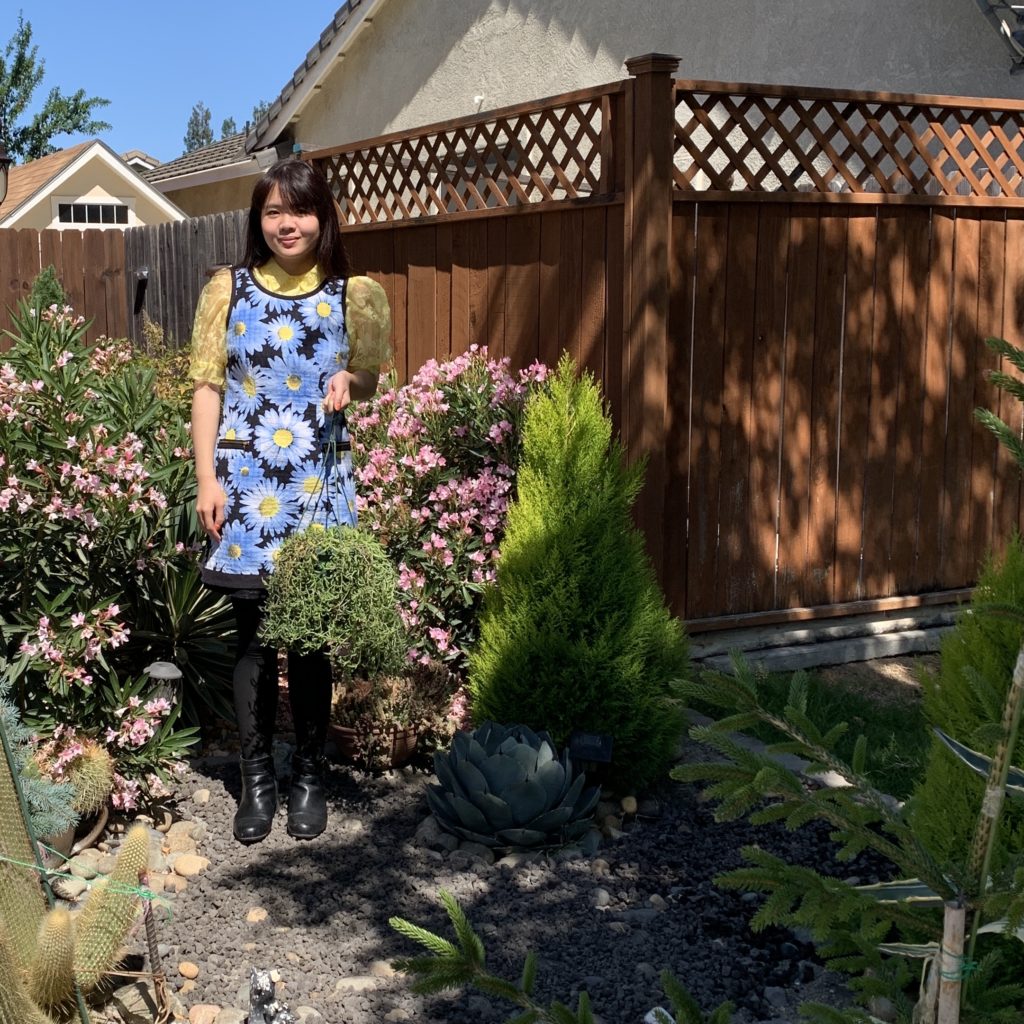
(281, 345)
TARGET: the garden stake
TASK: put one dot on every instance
(37, 856)
(951, 963)
(159, 978)
(995, 794)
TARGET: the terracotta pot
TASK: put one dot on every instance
(65, 846)
(397, 743)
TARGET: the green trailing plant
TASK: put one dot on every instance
(44, 956)
(965, 699)
(506, 786)
(859, 928)
(575, 634)
(335, 590)
(452, 965)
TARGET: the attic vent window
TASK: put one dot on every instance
(92, 213)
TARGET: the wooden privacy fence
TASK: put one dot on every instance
(90, 265)
(783, 292)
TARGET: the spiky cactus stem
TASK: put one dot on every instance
(51, 980)
(110, 911)
(15, 1002)
(92, 777)
(22, 902)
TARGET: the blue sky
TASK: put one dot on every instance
(155, 61)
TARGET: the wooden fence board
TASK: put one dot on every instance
(570, 284)
(549, 330)
(461, 329)
(991, 282)
(936, 377)
(523, 290)
(910, 402)
(73, 257)
(421, 337)
(10, 280)
(732, 580)
(823, 458)
(593, 242)
(880, 468)
(497, 271)
(767, 401)
(797, 376)
(706, 410)
(957, 558)
(443, 289)
(682, 269)
(854, 417)
(1007, 515)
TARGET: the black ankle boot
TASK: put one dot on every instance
(307, 802)
(256, 808)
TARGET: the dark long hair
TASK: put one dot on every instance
(305, 190)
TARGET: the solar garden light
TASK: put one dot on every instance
(166, 679)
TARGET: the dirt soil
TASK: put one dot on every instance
(885, 680)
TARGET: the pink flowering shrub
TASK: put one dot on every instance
(435, 469)
(94, 481)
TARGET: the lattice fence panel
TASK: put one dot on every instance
(750, 142)
(517, 159)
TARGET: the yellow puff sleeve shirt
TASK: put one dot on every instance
(367, 320)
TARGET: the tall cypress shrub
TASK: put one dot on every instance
(965, 699)
(575, 633)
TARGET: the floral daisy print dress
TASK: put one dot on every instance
(282, 462)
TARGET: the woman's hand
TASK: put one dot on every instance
(210, 499)
(346, 387)
(339, 391)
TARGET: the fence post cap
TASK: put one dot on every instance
(652, 63)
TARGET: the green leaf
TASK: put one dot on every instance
(472, 947)
(442, 947)
(529, 973)
(982, 764)
(907, 890)
(917, 951)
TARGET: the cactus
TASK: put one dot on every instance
(45, 955)
(91, 775)
(110, 911)
(52, 980)
(505, 786)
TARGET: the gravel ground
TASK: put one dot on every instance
(610, 924)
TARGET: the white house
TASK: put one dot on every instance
(84, 186)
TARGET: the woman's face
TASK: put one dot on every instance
(292, 237)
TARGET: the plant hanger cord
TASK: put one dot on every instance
(328, 460)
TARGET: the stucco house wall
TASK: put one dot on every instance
(429, 60)
(215, 197)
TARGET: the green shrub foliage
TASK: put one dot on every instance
(47, 290)
(335, 589)
(575, 634)
(965, 699)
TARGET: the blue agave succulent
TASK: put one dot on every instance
(505, 786)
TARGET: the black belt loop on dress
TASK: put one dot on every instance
(235, 444)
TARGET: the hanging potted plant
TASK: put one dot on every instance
(335, 590)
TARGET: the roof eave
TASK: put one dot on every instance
(309, 77)
(208, 176)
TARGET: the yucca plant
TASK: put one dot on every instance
(506, 786)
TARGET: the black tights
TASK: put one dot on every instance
(255, 685)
